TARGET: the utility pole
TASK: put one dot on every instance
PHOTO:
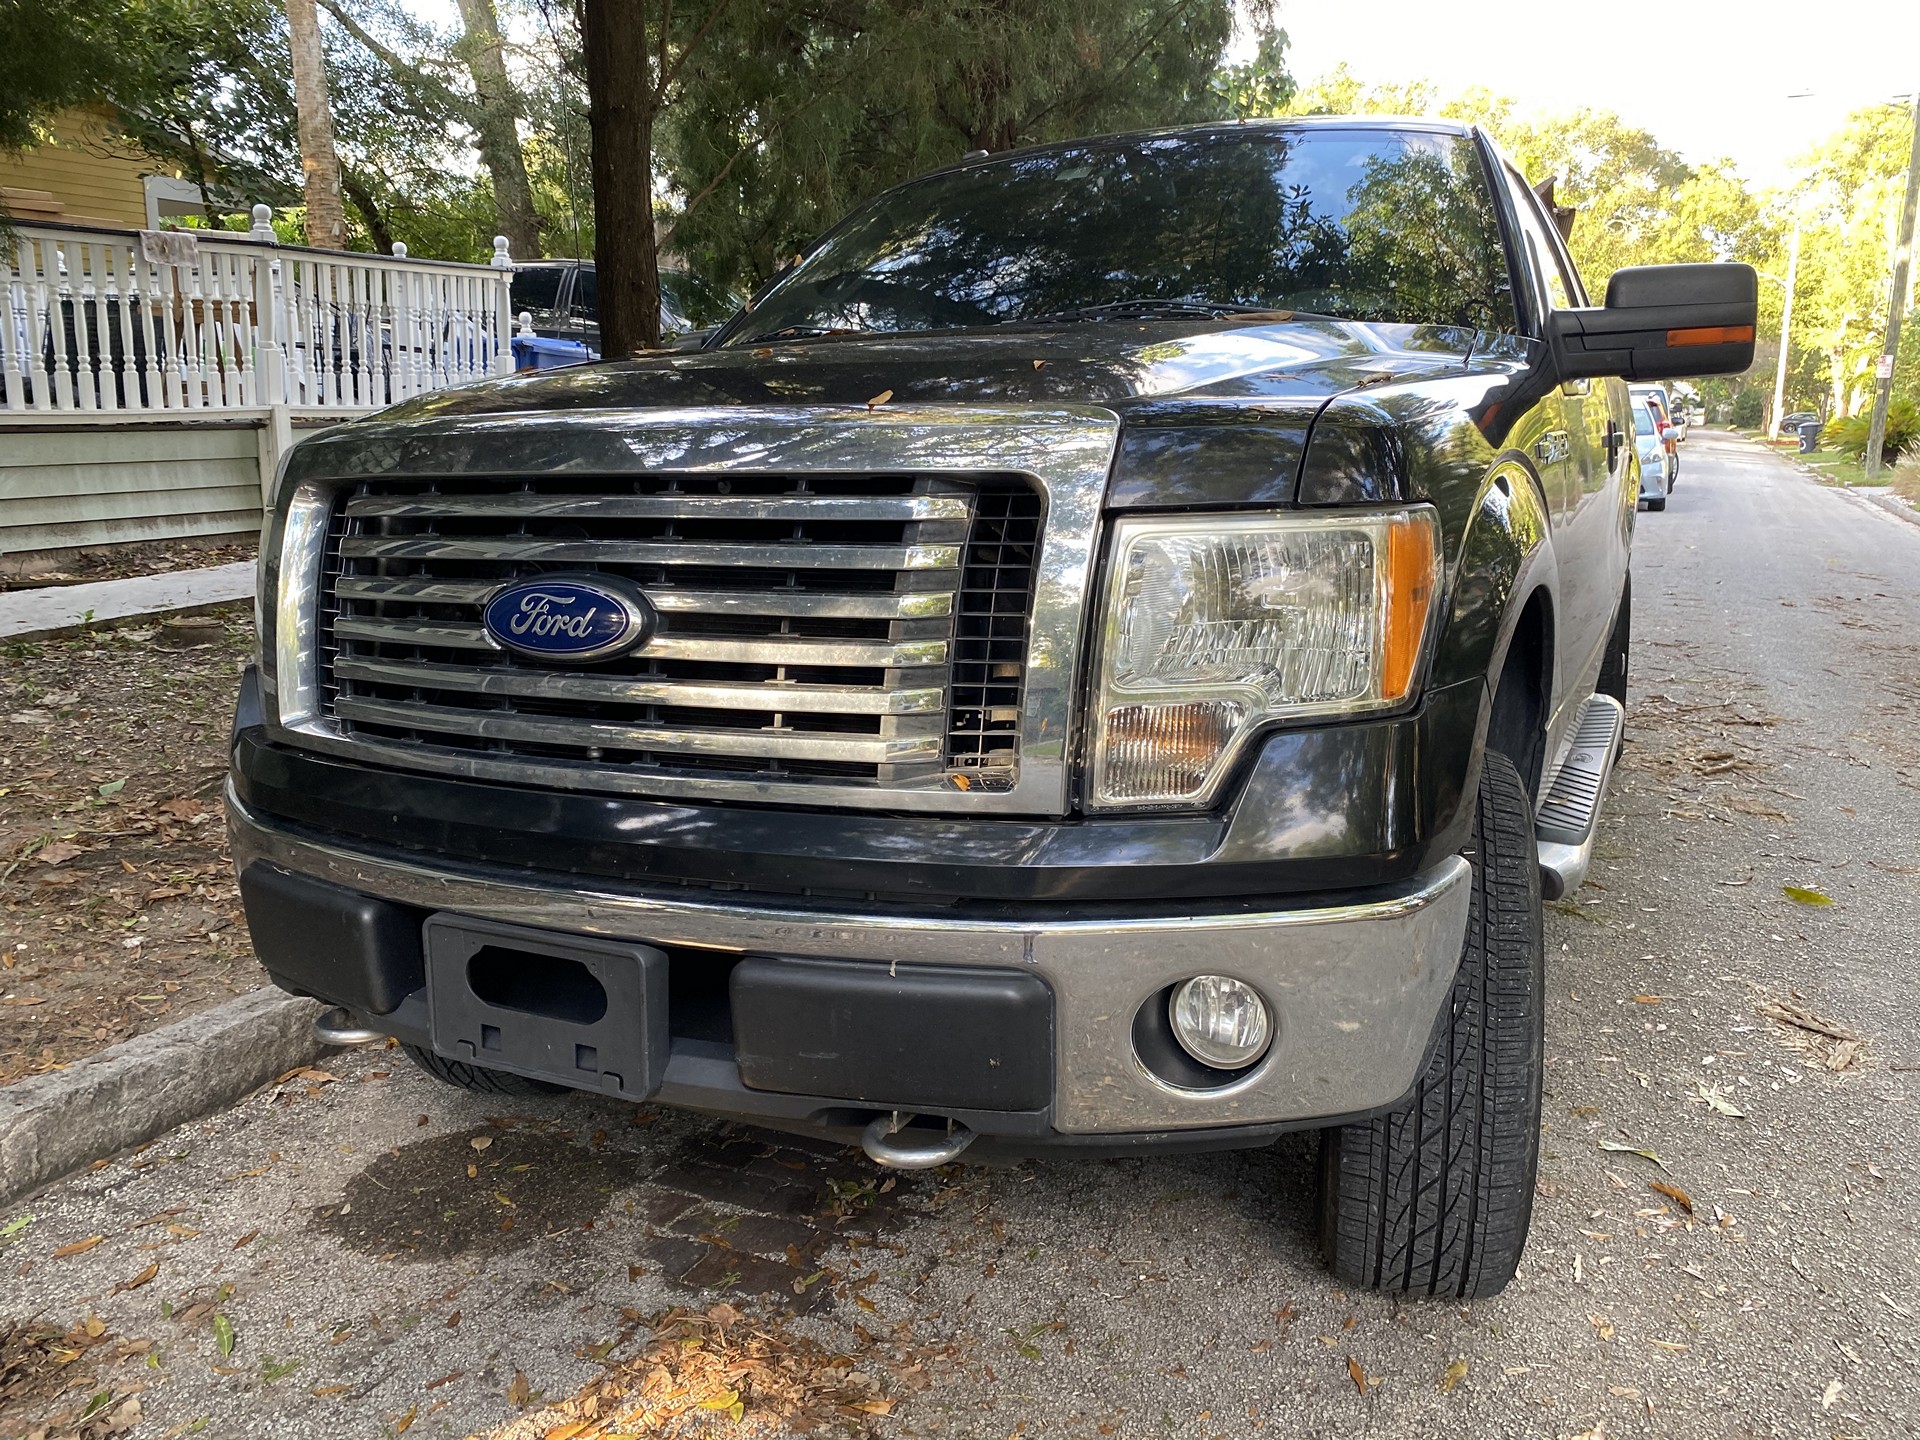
(1786, 326)
(1896, 307)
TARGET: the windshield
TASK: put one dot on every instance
(1357, 224)
(1642, 420)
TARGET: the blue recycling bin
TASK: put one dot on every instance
(537, 352)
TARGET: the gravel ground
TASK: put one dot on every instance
(1759, 1278)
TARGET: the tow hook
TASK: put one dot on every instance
(882, 1149)
(338, 1026)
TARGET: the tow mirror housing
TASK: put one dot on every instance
(1662, 322)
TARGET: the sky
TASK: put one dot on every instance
(1708, 79)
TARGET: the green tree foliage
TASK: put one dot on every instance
(56, 55)
(793, 113)
(1850, 205)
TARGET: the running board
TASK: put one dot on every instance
(1569, 818)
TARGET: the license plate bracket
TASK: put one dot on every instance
(575, 1010)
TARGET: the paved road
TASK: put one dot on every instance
(427, 1267)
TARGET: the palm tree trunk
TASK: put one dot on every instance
(497, 133)
(319, 161)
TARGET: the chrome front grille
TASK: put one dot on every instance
(869, 608)
(863, 630)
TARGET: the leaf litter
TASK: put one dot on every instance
(698, 1365)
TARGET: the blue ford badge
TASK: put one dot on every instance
(569, 617)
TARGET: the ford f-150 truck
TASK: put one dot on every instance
(1106, 653)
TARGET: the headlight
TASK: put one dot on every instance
(1216, 625)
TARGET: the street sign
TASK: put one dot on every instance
(1884, 370)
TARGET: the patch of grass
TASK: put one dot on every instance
(1833, 468)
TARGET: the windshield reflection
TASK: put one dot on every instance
(1371, 225)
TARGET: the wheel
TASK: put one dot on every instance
(1434, 1198)
(477, 1078)
(1659, 503)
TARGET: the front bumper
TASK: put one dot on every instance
(1357, 983)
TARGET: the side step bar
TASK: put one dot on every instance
(1569, 818)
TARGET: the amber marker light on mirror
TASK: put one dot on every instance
(1711, 335)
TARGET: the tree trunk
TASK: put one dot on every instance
(620, 108)
(499, 137)
(370, 212)
(319, 161)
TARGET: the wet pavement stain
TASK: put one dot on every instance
(486, 1191)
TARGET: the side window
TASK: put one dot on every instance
(536, 288)
(1548, 257)
(584, 305)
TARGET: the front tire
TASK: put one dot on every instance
(477, 1078)
(1435, 1198)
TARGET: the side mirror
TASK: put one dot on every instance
(1662, 322)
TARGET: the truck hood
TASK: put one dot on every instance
(1126, 365)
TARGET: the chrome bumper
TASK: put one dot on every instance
(1356, 988)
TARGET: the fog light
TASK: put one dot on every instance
(1220, 1021)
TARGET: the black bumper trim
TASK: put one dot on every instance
(1394, 812)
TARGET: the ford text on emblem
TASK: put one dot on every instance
(569, 617)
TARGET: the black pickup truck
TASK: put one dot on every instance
(1106, 653)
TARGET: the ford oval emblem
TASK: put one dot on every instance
(569, 617)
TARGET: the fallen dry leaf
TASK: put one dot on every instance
(404, 1423)
(58, 853)
(1357, 1373)
(1620, 1149)
(138, 1280)
(520, 1391)
(1456, 1372)
(882, 398)
(1673, 1193)
(78, 1247)
(1805, 896)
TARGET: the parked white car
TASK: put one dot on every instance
(1656, 481)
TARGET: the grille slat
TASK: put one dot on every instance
(807, 508)
(784, 697)
(771, 651)
(768, 744)
(531, 550)
(909, 605)
(813, 628)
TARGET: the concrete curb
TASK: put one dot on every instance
(52, 1125)
(1895, 505)
(42, 614)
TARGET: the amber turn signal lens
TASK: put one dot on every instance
(1412, 571)
(1711, 335)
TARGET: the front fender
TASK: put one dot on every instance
(1505, 557)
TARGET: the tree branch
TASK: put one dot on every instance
(468, 113)
(669, 73)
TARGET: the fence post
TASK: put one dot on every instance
(269, 361)
(502, 308)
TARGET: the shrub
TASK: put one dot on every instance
(1748, 406)
(1849, 436)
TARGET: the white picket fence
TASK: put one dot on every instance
(114, 321)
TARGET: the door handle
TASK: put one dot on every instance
(1614, 439)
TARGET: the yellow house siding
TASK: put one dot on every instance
(85, 173)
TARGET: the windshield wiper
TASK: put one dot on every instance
(1148, 308)
(800, 332)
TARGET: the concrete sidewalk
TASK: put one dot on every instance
(60, 609)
